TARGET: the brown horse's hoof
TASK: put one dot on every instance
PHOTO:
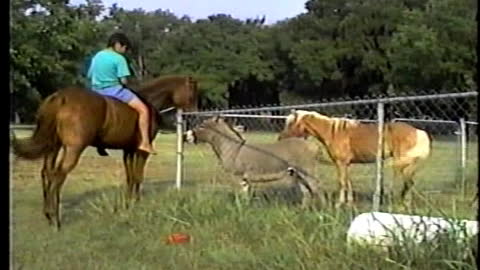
(102, 152)
(49, 220)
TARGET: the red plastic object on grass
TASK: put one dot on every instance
(178, 238)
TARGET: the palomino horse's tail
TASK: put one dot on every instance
(44, 138)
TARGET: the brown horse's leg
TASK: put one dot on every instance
(128, 164)
(138, 172)
(69, 160)
(342, 177)
(48, 167)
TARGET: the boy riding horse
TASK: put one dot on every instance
(107, 76)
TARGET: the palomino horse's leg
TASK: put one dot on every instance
(48, 167)
(408, 173)
(349, 186)
(69, 160)
(404, 169)
(342, 177)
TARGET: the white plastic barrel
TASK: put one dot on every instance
(386, 229)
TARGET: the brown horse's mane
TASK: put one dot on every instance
(153, 90)
(154, 83)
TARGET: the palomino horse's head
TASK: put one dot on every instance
(294, 126)
(214, 126)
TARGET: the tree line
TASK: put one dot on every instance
(335, 49)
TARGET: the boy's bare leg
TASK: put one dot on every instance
(143, 124)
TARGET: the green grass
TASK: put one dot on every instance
(228, 232)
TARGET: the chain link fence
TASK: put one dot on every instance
(452, 168)
(450, 119)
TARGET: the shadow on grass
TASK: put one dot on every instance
(262, 196)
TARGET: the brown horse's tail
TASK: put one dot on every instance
(44, 139)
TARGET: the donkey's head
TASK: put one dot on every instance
(211, 128)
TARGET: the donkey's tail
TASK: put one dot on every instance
(44, 138)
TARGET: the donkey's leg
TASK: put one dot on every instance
(308, 190)
(246, 188)
(69, 160)
(139, 160)
(48, 167)
(128, 164)
(246, 193)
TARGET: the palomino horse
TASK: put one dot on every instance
(350, 141)
(74, 118)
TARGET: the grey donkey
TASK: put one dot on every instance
(292, 159)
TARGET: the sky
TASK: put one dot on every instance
(274, 10)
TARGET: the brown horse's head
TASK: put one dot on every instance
(180, 92)
(294, 126)
(186, 97)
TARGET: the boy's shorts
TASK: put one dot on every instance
(119, 92)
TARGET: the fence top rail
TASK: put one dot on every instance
(434, 121)
(234, 115)
(426, 120)
(22, 126)
(338, 103)
(259, 116)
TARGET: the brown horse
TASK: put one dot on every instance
(73, 118)
(350, 141)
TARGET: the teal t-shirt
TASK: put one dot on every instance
(106, 69)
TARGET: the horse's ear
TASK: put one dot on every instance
(293, 113)
(216, 118)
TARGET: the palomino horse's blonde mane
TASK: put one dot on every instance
(336, 123)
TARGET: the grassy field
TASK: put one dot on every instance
(227, 231)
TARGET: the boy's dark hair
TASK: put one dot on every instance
(120, 38)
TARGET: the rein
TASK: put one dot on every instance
(166, 110)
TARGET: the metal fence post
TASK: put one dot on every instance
(377, 197)
(179, 175)
(463, 153)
